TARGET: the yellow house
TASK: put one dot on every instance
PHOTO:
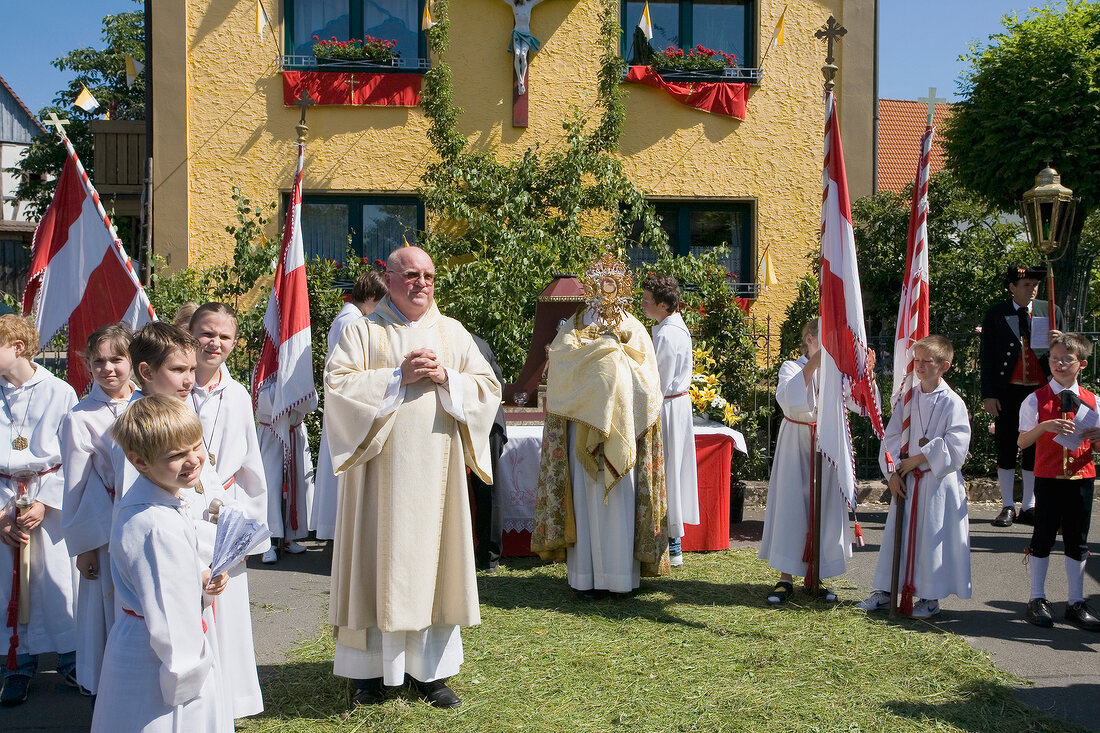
(221, 118)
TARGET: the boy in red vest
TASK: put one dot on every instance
(1063, 479)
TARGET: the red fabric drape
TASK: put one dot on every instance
(353, 88)
(713, 454)
(720, 98)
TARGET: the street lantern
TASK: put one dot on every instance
(1048, 210)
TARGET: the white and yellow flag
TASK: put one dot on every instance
(262, 21)
(777, 34)
(426, 22)
(86, 101)
(766, 271)
(646, 23)
(133, 70)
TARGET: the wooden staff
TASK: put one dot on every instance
(816, 559)
(22, 505)
(899, 528)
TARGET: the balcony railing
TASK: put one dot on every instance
(309, 63)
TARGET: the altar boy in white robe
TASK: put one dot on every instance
(672, 344)
(785, 542)
(160, 672)
(935, 550)
(34, 404)
(600, 503)
(229, 434)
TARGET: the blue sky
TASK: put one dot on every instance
(920, 41)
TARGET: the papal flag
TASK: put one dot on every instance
(777, 34)
(426, 21)
(262, 21)
(133, 70)
(766, 271)
(86, 101)
(646, 23)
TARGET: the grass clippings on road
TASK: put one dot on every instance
(699, 651)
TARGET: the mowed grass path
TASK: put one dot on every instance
(698, 651)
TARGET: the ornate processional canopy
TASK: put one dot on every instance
(609, 291)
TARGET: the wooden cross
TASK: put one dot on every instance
(831, 31)
(58, 123)
(931, 100)
(305, 101)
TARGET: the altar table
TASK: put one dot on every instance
(518, 473)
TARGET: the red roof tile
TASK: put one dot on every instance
(901, 124)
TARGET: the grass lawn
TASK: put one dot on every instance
(700, 651)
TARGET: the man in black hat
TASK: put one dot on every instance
(1011, 370)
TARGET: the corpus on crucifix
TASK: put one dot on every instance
(523, 42)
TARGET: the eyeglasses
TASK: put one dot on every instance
(1064, 359)
(412, 276)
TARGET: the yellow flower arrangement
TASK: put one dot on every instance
(706, 398)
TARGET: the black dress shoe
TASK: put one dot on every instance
(1005, 518)
(436, 692)
(15, 690)
(593, 594)
(368, 692)
(1038, 613)
(1026, 516)
(1081, 616)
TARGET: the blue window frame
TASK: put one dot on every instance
(397, 20)
(370, 226)
(723, 25)
(693, 227)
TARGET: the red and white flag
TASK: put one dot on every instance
(844, 377)
(286, 358)
(913, 307)
(80, 275)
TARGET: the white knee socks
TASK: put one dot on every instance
(1029, 490)
(1075, 574)
(1006, 478)
(1038, 566)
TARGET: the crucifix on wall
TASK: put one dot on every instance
(523, 44)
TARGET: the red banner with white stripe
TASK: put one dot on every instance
(286, 358)
(912, 323)
(844, 377)
(80, 275)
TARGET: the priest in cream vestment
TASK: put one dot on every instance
(601, 501)
(409, 403)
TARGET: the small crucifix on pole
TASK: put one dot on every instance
(305, 101)
(931, 100)
(58, 124)
(831, 32)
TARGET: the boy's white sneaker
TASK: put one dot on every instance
(294, 548)
(269, 556)
(877, 601)
(925, 608)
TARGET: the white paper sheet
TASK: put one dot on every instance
(237, 536)
(1040, 329)
(1085, 419)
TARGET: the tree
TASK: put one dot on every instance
(1031, 96)
(104, 73)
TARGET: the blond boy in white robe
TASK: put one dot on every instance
(160, 670)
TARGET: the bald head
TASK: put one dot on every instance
(410, 280)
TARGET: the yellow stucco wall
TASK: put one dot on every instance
(236, 131)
